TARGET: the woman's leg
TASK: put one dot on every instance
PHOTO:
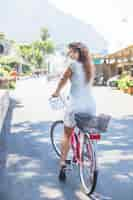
(65, 144)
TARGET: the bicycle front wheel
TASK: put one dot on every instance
(56, 133)
(88, 168)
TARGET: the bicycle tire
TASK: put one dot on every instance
(88, 189)
(57, 151)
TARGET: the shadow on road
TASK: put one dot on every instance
(116, 159)
(30, 166)
(3, 149)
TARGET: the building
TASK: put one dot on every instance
(119, 61)
(5, 45)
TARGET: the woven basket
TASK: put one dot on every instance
(86, 122)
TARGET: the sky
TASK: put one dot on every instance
(112, 18)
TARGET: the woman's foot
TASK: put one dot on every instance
(62, 174)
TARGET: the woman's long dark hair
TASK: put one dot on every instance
(84, 58)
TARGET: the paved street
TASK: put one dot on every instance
(28, 165)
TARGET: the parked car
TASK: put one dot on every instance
(112, 82)
(99, 80)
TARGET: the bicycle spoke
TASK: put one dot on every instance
(87, 169)
(57, 132)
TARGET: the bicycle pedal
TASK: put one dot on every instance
(68, 162)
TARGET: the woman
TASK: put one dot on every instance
(80, 72)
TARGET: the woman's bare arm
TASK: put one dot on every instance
(67, 75)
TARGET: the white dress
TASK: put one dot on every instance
(81, 97)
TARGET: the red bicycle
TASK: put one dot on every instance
(82, 153)
(83, 147)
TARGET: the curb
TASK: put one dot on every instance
(4, 105)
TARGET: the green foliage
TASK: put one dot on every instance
(38, 56)
(7, 68)
(130, 83)
(49, 46)
(34, 53)
(44, 34)
(123, 82)
(45, 47)
(115, 82)
(8, 60)
(12, 85)
(3, 72)
(26, 52)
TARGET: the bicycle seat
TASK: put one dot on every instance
(85, 121)
(83, 116)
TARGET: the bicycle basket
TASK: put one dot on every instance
(86, 122)
(103, 122)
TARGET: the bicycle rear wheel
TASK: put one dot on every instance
(88, 166)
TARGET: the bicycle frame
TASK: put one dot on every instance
(77, 141)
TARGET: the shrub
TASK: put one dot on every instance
(12, 85)
(3, 72)
(130, 83)
(7, 68)
(123, 83)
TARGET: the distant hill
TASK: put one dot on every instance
(22, 20)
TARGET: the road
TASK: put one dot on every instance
(28, 165)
